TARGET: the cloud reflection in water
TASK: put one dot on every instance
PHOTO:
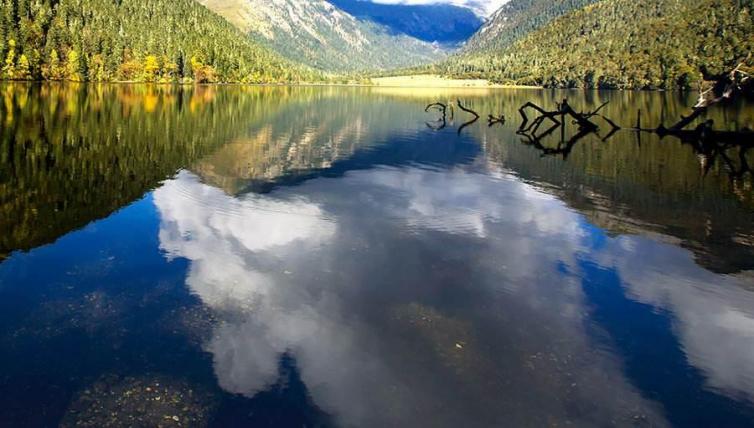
(373, 280)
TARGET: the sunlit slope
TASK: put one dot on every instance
(517, 18)
(621, 44)
(323, 36)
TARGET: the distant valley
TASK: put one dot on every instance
(441, 23)
(320, 35)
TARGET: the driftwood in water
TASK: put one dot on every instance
(530, 128)
(543, 115)
(492, 120)
(467, 110)
(712, 145)
(440, 106)
(726, 88)
(582, 119)
(445, 108)
(708, 143)
(558, 116)
(439, 123)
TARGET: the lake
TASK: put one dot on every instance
(275, 256)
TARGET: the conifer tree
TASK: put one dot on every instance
(23, 69)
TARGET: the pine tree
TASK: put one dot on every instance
(72, 67)
(53, 71)
(23, 70)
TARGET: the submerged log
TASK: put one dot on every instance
(704, 138)
(492, 120)
(709, 143)
(440, 106)
(726, 88)
(537, 122)
(467, 110)
(584, 120)
(442, 121)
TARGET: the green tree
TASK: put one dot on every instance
(151, 68)
(73, 66)
(53, 70)
(23, 69)
(9, 66)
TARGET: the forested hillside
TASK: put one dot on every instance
(518, 18)
(621, 44)
(133, 40)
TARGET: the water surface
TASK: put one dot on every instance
(231, 256)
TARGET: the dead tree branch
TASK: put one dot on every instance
(492, 120)
(442, 121)
(529, 129)
(440, 106)
(467, 110)
(731, 85)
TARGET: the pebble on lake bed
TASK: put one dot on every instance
(144, 401)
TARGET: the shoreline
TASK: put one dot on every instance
(451, 83)
(411, 84)
(434, 81)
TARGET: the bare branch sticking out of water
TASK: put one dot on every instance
(709, 143)
(586, 126)
(492, 120)
(439, 123)
(467, 110)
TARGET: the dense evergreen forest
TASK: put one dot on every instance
(517, 18)
(133, 40)
(641, 44)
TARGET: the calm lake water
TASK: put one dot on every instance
(237, 256)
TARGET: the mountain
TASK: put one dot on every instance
(518, 18)
(321, 35)
(139, 40)
(640, 44)
(447, 24)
